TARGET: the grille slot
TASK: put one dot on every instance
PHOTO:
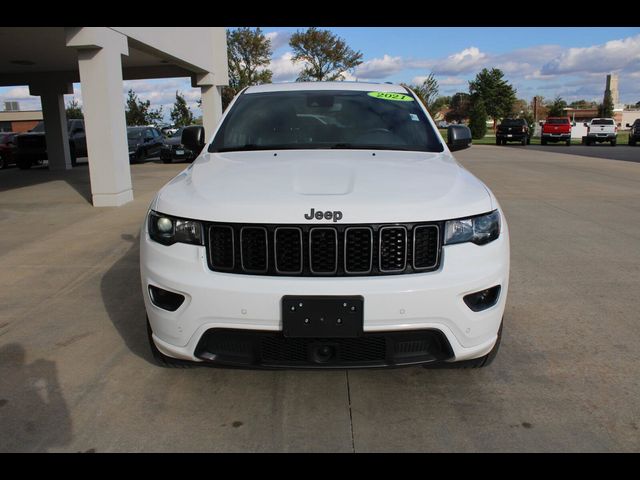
(253, 242)
(358, 250)
(288, 250)
(393, 249)
(323, 250)
(426, 248)
(221, 248)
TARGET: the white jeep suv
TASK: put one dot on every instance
(326, 225)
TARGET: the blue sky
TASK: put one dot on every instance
(570, 62)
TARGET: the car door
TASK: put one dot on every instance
(147, 139)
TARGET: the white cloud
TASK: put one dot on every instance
(278, 39)
(610, 56)
(379, 67)
(465, 61)
(283, 68)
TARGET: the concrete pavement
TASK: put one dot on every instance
(75, 367)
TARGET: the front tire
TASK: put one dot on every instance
(613, 143)
(72, 154)
(543, 141)
(138, 157)
(163, 360)
(524, 142)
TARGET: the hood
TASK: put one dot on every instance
(265, 187)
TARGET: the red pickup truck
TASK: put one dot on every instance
(556, 129)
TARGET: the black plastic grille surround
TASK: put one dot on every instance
(252, 348)
(324, 250)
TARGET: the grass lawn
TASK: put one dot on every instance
(490, 138)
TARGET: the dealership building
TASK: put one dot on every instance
(50, 59)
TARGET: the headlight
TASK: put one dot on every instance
(479, 230)
(168, 230)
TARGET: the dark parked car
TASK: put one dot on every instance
(513, 130)
(144, 142)
(7, 146)
(173, 149)
(634, 133)
(32, 146)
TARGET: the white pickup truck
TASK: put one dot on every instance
(601, 130)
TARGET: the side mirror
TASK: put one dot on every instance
(541, 122)
(573, 124)
(193, 138)
(628, 126)
(585, 124)
(458, 137)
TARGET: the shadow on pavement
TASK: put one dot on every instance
(77, 178)
(33, 413)
(605, 151)
(122, 298)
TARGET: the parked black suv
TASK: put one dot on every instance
(634, 133)
(513, 130)
(31, 147)
(144, 142)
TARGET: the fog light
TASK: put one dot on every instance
(483, 299)
(165, 299)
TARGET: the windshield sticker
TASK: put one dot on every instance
(414, 117)
(397, 97)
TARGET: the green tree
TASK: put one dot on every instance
(248, 56)
(583, 104)
(74, 110)
(138, 112)
(556, 108)
(478, 118)
(519, 107)
(496, 93)
(459, 105)
(427, 91)
(325, 56)
(605, 109)
(441, 102)
(181, 115)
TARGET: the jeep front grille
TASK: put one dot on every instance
(324, 250)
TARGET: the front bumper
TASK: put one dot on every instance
(395, 304)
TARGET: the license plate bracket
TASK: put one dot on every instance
(322, 316)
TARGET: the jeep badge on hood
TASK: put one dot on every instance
(336, 215)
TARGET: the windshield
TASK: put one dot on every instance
(39, 127)
(134, 133)
(602, 121)
(557, 121)
(326, 119)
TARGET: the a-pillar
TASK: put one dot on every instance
(100, 53)
(55, 120)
